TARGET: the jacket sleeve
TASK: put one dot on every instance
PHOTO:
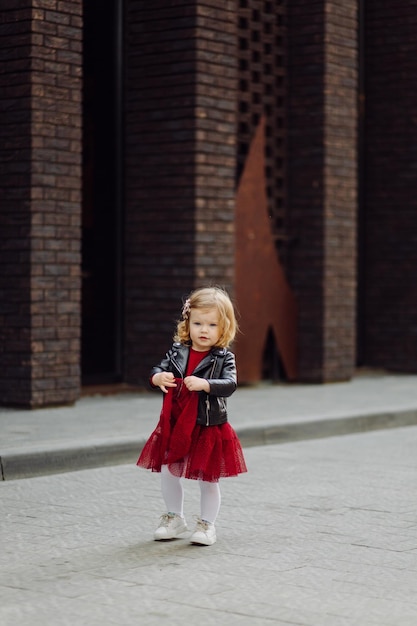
(226, 384)
(163, 366)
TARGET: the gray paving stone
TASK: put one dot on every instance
(318, 533)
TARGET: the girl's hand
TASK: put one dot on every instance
(194, 383)
(164, 380)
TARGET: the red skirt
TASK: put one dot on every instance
(191, 451)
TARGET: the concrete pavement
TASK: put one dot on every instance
(108, 430)
(320, 532)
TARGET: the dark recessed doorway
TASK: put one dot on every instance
(102, 193)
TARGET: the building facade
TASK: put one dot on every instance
(269, 147)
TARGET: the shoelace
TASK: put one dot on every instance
(203, 526)
(165, 519)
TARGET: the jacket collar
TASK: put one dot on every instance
(216, 351)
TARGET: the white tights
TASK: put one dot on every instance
(173, 494)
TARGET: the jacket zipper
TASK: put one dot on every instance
(207, 399)
(180, 371)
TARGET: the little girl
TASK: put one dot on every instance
(193, 438)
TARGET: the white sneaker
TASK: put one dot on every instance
(170, 526)
(204, 534)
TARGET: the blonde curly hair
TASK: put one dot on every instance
(209, 298)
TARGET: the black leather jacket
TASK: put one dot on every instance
(218, 367)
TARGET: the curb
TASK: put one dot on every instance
(329, 427)
(30, 463)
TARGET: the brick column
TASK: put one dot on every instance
(15, 248)
(216, 139)
(180, 99)
(389, 218)
(40, 209)
(322, 186)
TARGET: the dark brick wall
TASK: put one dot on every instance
(389, 259)
(179, 165)
(306, 178)
(15, 248)
(215, 142)
(341, 189)
(42, 208)
(56, 199)
(322, 183)
(181, 101)
(263, 91)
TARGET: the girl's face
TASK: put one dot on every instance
(204, 328)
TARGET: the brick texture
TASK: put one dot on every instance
(322, 184)
(389, 219)
(263, 83)
(41, 182)
(199, 74)
(15, 247)
(180, 139)
(263, 95)
(215, 142)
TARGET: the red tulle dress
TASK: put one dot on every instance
(191, 451)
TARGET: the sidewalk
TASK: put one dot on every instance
(110, 430)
